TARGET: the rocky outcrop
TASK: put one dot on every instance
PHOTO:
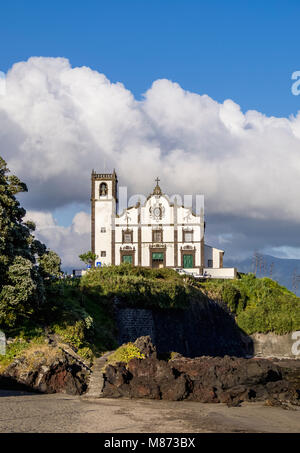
(144, 344)
(226, 379)
(46, 369)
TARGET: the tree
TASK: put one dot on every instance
(23, 293)
(49, 264)
(88, 257)
(21, 282)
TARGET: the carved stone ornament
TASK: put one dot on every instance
(157, 211)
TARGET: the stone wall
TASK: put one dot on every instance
(272, 345)
(205, 328)
(134, 323)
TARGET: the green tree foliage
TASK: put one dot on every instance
(259, 304)
(23, 293)
(49, 264)
(88, 257)
(138, 286)
(270, 307)
(21, 282)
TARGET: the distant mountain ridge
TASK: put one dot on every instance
(284, 270)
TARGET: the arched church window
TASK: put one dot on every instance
(103, 189)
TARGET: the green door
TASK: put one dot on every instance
(188, 261)
(157, 259)
(127, 259)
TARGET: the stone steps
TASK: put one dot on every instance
(96, 383)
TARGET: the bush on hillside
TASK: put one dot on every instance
(260, 304)
(137, 286)
(124, 354)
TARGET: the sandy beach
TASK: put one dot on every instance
(60, 413)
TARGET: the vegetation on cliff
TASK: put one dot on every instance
(259, 304)
(138, 287)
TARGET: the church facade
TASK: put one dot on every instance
(156, 233)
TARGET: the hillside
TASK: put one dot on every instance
(281, 270)
(81, 312)
(259, 304)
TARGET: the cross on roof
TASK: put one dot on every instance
(157, 180)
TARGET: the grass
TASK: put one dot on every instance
(17, 349)
(259, 304)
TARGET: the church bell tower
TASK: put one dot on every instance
(103, 212)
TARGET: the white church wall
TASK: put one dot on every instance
(224, 272)
(198, 255)
(168, 233)
(118, 234)
(145, 255)
(216, 258)
(146, 233)
(170, 255)
(117, 254)
(147, 216)
(103, 218)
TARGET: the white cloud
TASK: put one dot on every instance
(68, 242)
(283, 252)
(57, 123)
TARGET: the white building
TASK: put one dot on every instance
(157, 233)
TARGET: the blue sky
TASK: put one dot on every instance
(243, 50)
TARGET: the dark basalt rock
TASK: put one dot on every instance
(206, 379)
(144, 344)
(61, 375)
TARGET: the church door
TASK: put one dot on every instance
(127, 259)
(188, 261)
(157, 259)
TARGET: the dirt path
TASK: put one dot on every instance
(25, 412)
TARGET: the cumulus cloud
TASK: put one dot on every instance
(57, 123)
(68, 242)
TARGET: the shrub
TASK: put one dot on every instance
(124, 354)
(231, 296)
(72, 334)
(260, 304)
(137, 286)
(86, 353)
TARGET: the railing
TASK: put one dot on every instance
(84, 365)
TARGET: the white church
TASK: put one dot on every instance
(156, 233)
